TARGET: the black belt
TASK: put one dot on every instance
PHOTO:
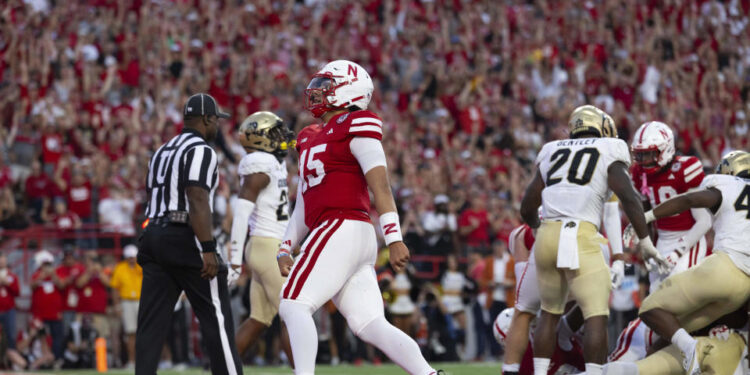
(172, 217)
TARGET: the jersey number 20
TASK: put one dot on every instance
(560, 157)
(312, 170)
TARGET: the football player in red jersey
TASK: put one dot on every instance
(659, 175)
(562, 362)
(339, 159)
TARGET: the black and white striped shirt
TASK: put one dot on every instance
(186, 160)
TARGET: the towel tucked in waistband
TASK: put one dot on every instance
(567, 251)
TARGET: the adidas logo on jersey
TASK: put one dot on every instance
(330, 131)
(671, 177)
(303, 140)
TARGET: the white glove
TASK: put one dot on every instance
(629, 237)
(617, 272)
(721, 332)
(233, 275)
(651, 256)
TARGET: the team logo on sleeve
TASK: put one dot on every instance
(676, 166)
(390, 228)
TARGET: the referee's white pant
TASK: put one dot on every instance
(171, 264)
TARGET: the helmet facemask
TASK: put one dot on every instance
(321, 87)
(283, 139)
(647, 159)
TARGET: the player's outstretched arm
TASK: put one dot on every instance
(613, 226)
(708, 198)
(532, 199)
(251, 187)
(619, 181)
(371, 158)
(377, 181)
(295, 232)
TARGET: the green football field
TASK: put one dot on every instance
(386, 369)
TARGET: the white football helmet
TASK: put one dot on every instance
(340, 84)
(502, 325)
(653, 139)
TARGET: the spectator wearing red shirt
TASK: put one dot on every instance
(46, 299)
(473, 226)
(79, 196)
(38, 187)
(65, 221)
(52, 147)
(93, 293)
(69, 271)
(78, 192)
(9, 290)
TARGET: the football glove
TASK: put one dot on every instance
(617, 272)
(721, 332)
(651, 256)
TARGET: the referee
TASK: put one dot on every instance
(177, 249)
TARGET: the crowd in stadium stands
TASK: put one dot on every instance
(468, 90)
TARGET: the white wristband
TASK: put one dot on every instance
(391, 228)
(286, 245)
(649, 215)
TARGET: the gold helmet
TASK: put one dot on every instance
(588, 119)
(735, 163)
(264, 131)
(609, 129)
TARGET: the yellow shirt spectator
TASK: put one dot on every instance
(127, 279)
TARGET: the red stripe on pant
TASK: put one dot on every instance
(314, 258)
(295, 272)
(627, 339)
(523, 276)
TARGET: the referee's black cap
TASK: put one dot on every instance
(203, 105)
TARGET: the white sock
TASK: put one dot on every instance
(541, 365)
(620, 368)
(303, 336)
(564, 333)
(399, 347)
(511, 367)
(593, 369)
(684, 341)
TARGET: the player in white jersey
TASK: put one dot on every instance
(721, 284)
(572, 183)
(262, 207)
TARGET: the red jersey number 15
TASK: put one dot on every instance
(311, 169)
